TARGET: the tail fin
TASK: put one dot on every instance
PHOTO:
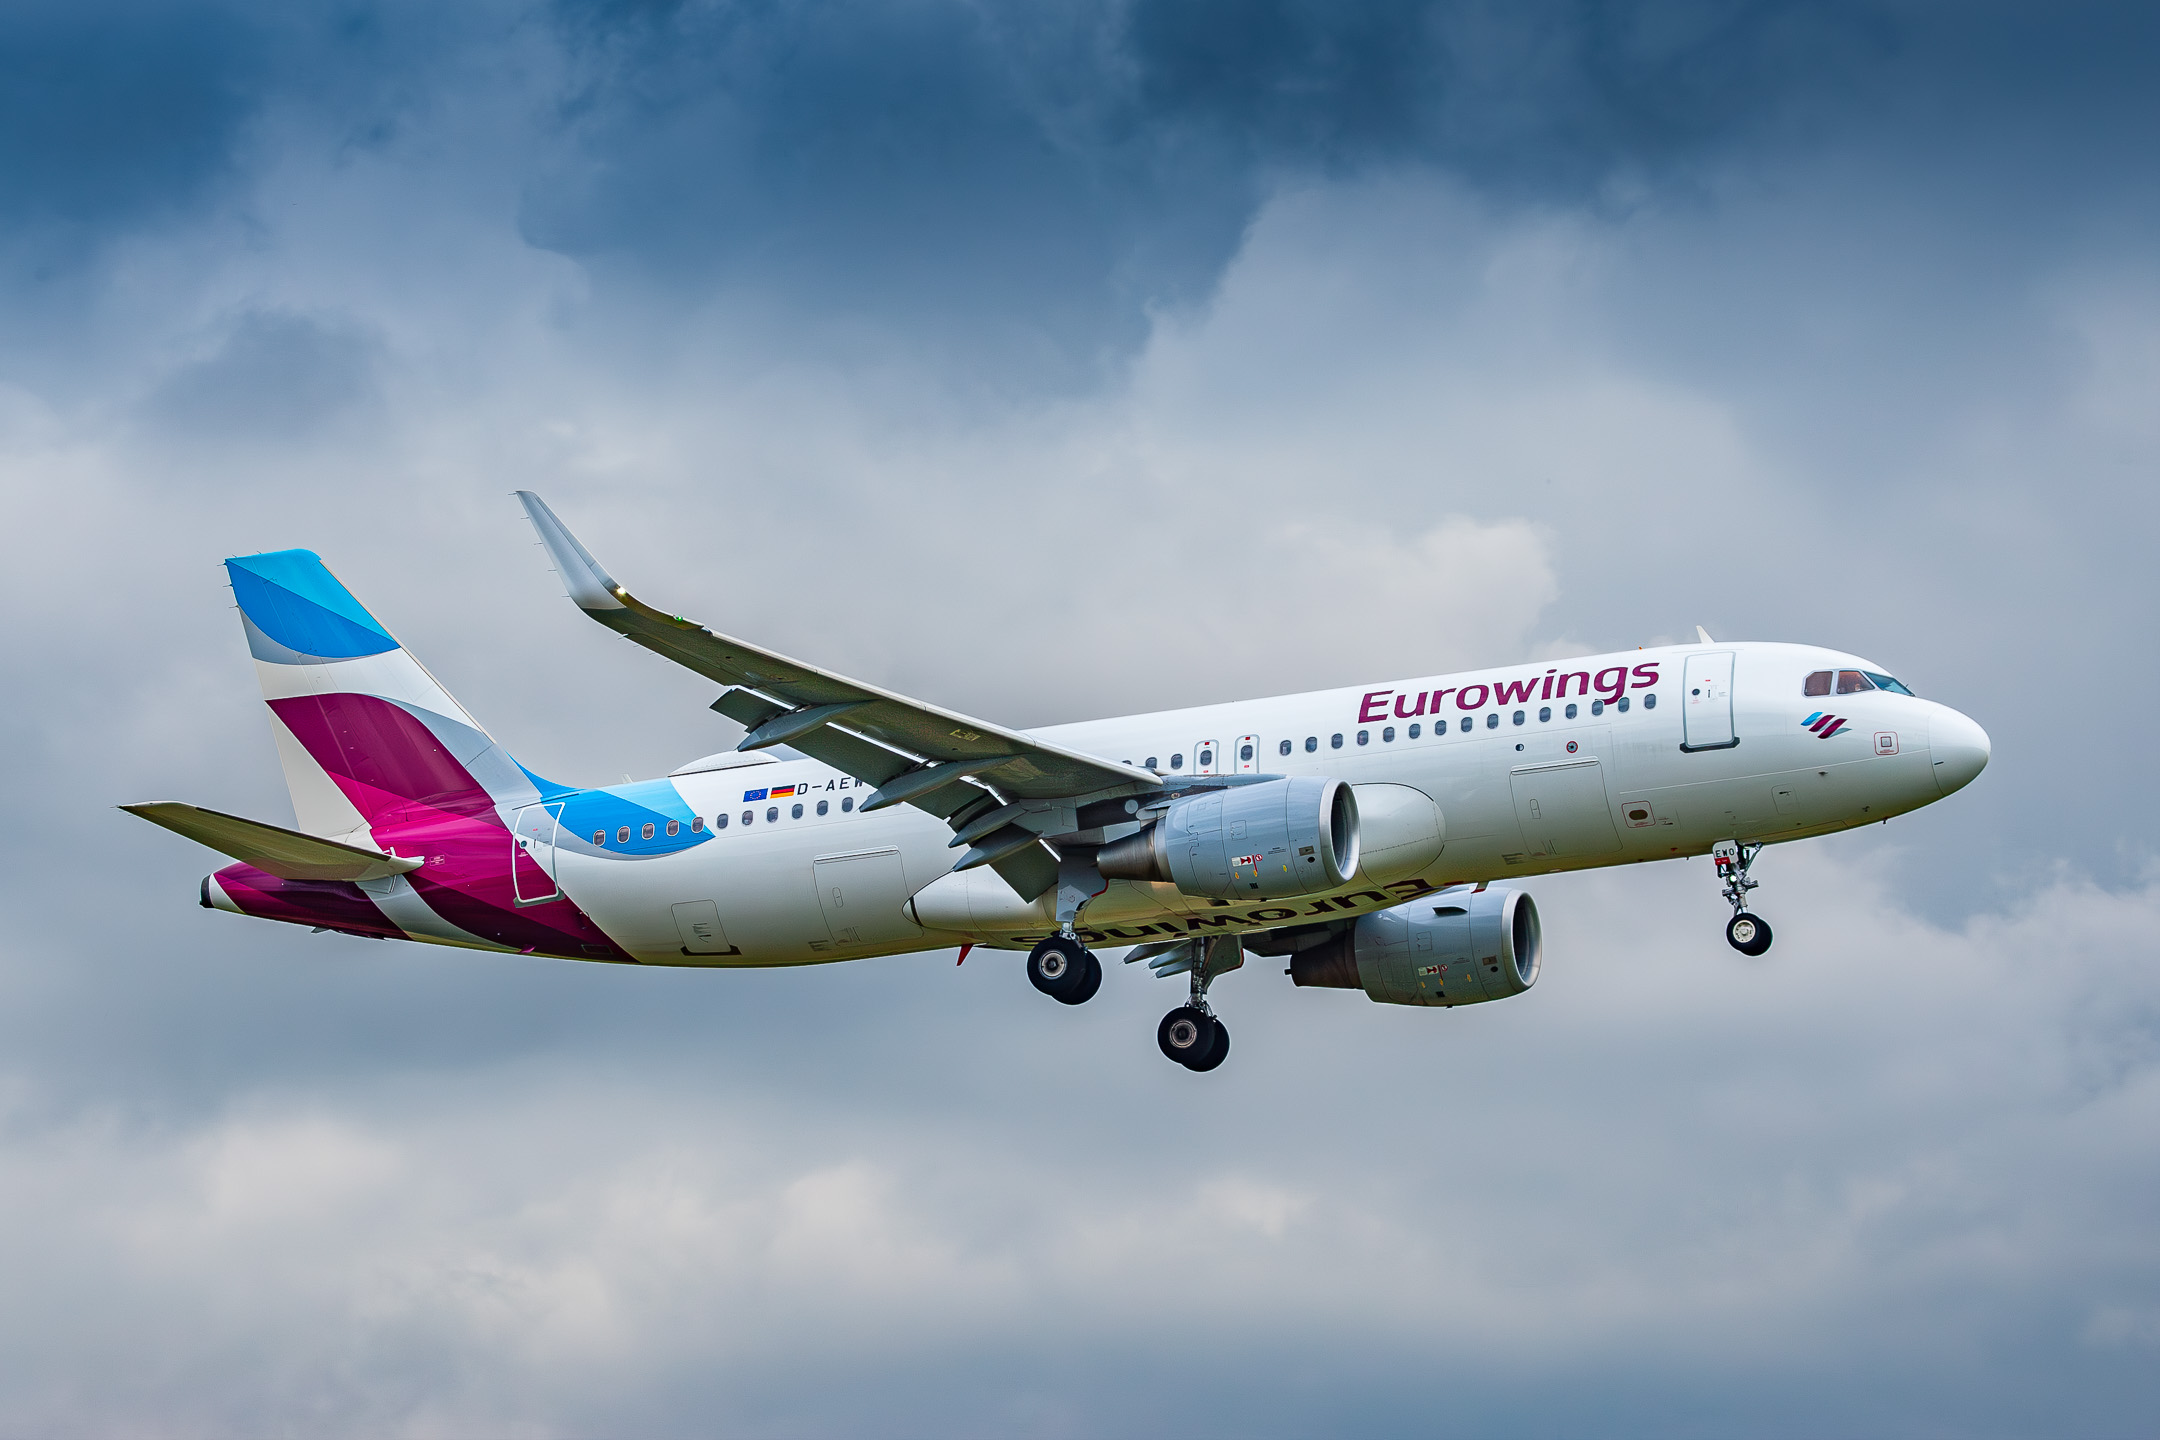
(366, 735)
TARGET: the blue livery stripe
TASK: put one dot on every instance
(294, 600)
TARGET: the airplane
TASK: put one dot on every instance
(1370, 837)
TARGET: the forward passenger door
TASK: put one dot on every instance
(1706, 705)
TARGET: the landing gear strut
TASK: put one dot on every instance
(1746, 932)
(1192, 1035)
(1064, 969)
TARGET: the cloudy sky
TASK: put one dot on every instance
(1048, 361)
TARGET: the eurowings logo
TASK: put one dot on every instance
(1824, 725)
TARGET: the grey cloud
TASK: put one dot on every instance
(113, 113)
(1070, 165)
(274, 376)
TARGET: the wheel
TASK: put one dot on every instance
(1058, 967)
(1090, 982)
(1217, 1053)
(1749, 934)
(1186, 1032)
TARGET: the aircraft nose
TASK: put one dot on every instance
(1959, 748)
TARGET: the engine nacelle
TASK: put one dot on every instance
(1456, 947)
(1278, 838)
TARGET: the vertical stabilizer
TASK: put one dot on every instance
(366, 735)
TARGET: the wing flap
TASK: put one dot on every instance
(287, 854)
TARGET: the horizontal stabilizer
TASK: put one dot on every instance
(287, 854)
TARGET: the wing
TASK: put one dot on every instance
(994, 786)
(287, 854)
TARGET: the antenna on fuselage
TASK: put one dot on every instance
(1704, 636)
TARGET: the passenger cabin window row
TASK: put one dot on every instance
(719, 822)
(1850, 682)
(1204, 756)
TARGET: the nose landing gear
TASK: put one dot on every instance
(1746, 932)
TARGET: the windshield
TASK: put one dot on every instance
(1884, 682)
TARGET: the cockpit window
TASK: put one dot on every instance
(1884, 682)
(1852, 682)
(1817, 684)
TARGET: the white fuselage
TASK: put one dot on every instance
(1526, 789)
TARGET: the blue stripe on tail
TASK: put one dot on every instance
(291, 600)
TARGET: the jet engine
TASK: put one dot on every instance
(1455, 947)
(1277, 838)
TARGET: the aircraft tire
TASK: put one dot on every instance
(1186, 1032)
(1749, 934)
(1090, 982)
(1217, 1052)
(1058, 967)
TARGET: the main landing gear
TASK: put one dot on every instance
(1065, 970)
(1746, 932)
(1192, 1034)
(1193, 1037)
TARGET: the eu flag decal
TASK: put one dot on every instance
(749, 795)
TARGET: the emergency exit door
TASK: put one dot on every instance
(1563, 809)
(861, 896)
(1706, 713)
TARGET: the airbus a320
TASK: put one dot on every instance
(1368, 837)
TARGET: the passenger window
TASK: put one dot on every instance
(1622, 703)
(847, 804)
(772, 813)
(1364, 737)
(622, 836)
(1151, 762)
(1177, 762)
(1388, 734)
(1492, 721)
(1335, 741)
(1285, 749)
(673, 828)
(1518, 717)
(1649, 702)
(1817, 684)
(719, 822)
(1415, 732)
(645, 831)
(1597, 707)
(1312, 743)
(697, 824)
(1244, 752)
(1207, 757)
(748, 816)
(1571, 712)
(795, 812)
(1466, 724)
(599, 837)
(1852, 682)
(823, 806)
(1544, 713)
